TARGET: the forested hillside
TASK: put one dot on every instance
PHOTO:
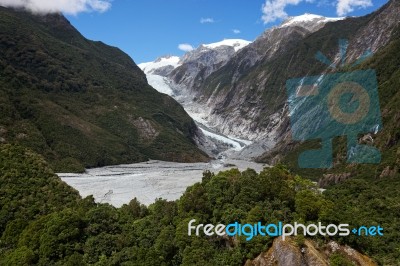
(44, 222)
(82, 103)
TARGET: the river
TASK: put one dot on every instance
(146, 181)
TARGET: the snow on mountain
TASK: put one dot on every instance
(199, 63)
(159, 63)
(192, 68)
(164, 65)
(160, 83)
(308, 20)
(237, 44)
(157, 71)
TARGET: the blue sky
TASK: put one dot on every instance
(147, 29)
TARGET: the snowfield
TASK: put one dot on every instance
(148, 67)
(293, 21)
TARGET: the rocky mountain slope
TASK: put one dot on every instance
(386, 140)
(247, 96)
(379, 32)
(185, 74)
(82, 103)
(308, 253)
(202, 80)
(207, 74)
(192, 68)
(198, 64)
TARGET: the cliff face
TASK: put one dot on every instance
(309, 253)
(234, 93)
(377, 32)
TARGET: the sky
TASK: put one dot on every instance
(147, 29)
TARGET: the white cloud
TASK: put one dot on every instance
(344, 7)
(275, 9)
(185, 47)
(207, 20)
(236, 31)
(54, 6)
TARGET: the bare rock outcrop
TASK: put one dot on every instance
(330, 179)
(309, 253)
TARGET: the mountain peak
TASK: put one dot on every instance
(308, 21)
(161, 62)
(237, 44)
(167, 58)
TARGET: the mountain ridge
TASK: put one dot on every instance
(245, 97)
(248, 83)
(82, 103)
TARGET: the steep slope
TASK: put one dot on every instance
(387, 140)
(309, 253)
(162, 66)
(247, 96)
(29, 189)
(195, 66)
(213, 90)
(82, 103)
(379, 33)
(190, 70)
(158, 70)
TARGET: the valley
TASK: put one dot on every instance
(205, 59)
(147, 181)
(151, 180)
(104, 161)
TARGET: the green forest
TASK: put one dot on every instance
(81, 103)
(45, 222)
(61, 111)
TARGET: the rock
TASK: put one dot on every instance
(366, 139)
(281, 253)
(289, 253)
(329, 179)
(388, 172)
(312, 256)
(146, 130)
(351, 254)
(198, 64)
